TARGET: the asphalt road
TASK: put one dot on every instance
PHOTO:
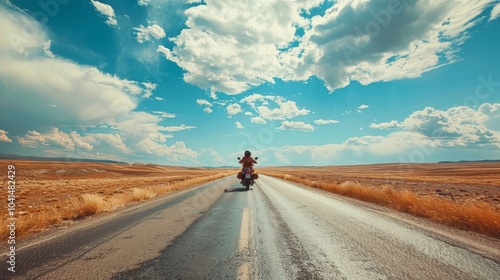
(274, 231)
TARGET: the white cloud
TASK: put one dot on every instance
(55, 137)
(113, 140)
(176, 153)
(4, 137)
(164, 115)
(100, 106)
(322, 121)
(258, 120)
(210, 157)
(495, 12)
(391, 124)
(83, 95)
(239, 125)
(289, 125)
(105, 10)
(23, 35)
(457, 126)
(144, 2)
(145, 33)
(70, 142)
(176, 128)
(362, 107)
(233, 109)
(148, 89)
(352, 41)
(81, 141)
(224, 52)
(425, 136)
(203, 102)
(87, 94)
(356, 150)
(286, 109)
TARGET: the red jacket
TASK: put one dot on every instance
(247, 162)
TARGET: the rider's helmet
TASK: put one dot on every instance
(248, 153)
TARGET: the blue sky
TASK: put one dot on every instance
(195, 83)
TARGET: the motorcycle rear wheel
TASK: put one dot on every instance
(247, 183)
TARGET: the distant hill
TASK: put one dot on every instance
(484, 160)
(12, 156)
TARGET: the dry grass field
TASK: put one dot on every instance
(463, 195)
(56, 193)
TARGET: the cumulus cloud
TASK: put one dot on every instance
(227, 53)
(457, 126)
(145, 33)
(424, 136)
(233, 109)
(210, 157)
(137, 125)
(364, 41)
(355, 150)
(362, 107)
(57, 92)
(24, 36)
(79, 94)
(105, 10)
(239, 125)
(290, 125)
(96, 110)
(176, 153)
(391, 124)
(4, 137)
(71, 141)
(203, 102)
(258, 120)
(286, 109)
(495, 12)
(86, 93)
(148, 89)
(143, 2)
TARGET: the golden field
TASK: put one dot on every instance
(464, 195)
(55, 193)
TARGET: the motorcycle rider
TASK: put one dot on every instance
(247, 161)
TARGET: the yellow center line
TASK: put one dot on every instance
(244, 233)
(244, 243)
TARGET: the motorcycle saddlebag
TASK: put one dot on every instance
(240, 175)
(255, 175)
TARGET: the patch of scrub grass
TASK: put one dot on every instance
(474, 216)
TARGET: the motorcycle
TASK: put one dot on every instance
(248, 176)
